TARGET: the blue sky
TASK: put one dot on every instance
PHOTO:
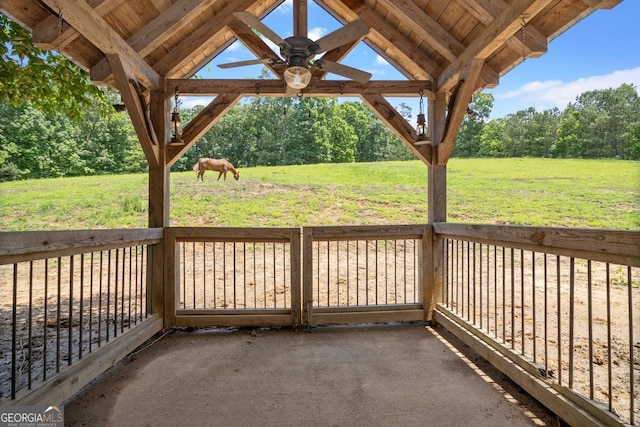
(599, 52)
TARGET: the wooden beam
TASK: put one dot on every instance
(300, 14)
(456, 115)
(432, 33)
(602, 4)
(535, 43)
(90, 25)
(49, 35)
(272, 87)
(394, 40)
(255, 44)
(176, 58)
(503, 27)
(156, 32)
(137, 111)
(200, 124)
(398, 125)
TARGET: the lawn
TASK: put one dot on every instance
(550, 192)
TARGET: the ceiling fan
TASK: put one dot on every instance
(298, 52)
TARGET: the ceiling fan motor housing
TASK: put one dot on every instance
(299, 51)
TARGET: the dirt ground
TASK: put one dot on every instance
(374, 279)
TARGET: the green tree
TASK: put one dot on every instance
(468, 139)
(46, 79)
(492, 139)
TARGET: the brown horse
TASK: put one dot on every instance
(219, 165)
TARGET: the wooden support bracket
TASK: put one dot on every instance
(201, 123)
(394, 120)
(458, 103)
(134, 100)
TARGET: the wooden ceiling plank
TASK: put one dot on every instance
(157, 32)
(166, 25)
(433, 33)
(182, 53)
(91, 25)
(398, 125)
(136, 110)
(389, 33)
(460, 104)
(48, 35)
(426, 27)
(503, 27)
(602, 4)
(201, 123)
(272, 87)
(485, 11)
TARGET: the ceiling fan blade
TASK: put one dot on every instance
(255, 23)
(347, 34)
(343, 70)
(249, 62)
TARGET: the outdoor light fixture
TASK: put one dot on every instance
(297, 74)
(175, 119)
(472, 114)
(297, 77)
(421, 129)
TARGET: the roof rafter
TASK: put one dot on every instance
(90, 24)
(255, 44)
(394, 40)
(433, 33)
(535, 44)
(159, 30)
(49, 34)
(503, 27)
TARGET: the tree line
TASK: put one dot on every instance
(270, 131)
(598, 124)
(55, 123)
(283, 131)
(263, 131)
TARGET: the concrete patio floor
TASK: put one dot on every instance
(382, 375)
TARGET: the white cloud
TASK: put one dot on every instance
(286, 7)
(192, 101)
(317, 32)
(235, 46)
(381, 61)
(556, 93)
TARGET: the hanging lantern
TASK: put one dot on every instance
(421, 129)
(175, 119)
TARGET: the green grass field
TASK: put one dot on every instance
(570, 193)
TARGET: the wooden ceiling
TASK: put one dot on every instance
(436, 44)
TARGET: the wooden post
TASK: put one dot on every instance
(437, 206)
(159, 200)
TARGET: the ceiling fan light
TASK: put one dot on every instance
(297, 77)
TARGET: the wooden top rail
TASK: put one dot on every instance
(231, 234)
(368, 232)
(32, 245)
(614, 246)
